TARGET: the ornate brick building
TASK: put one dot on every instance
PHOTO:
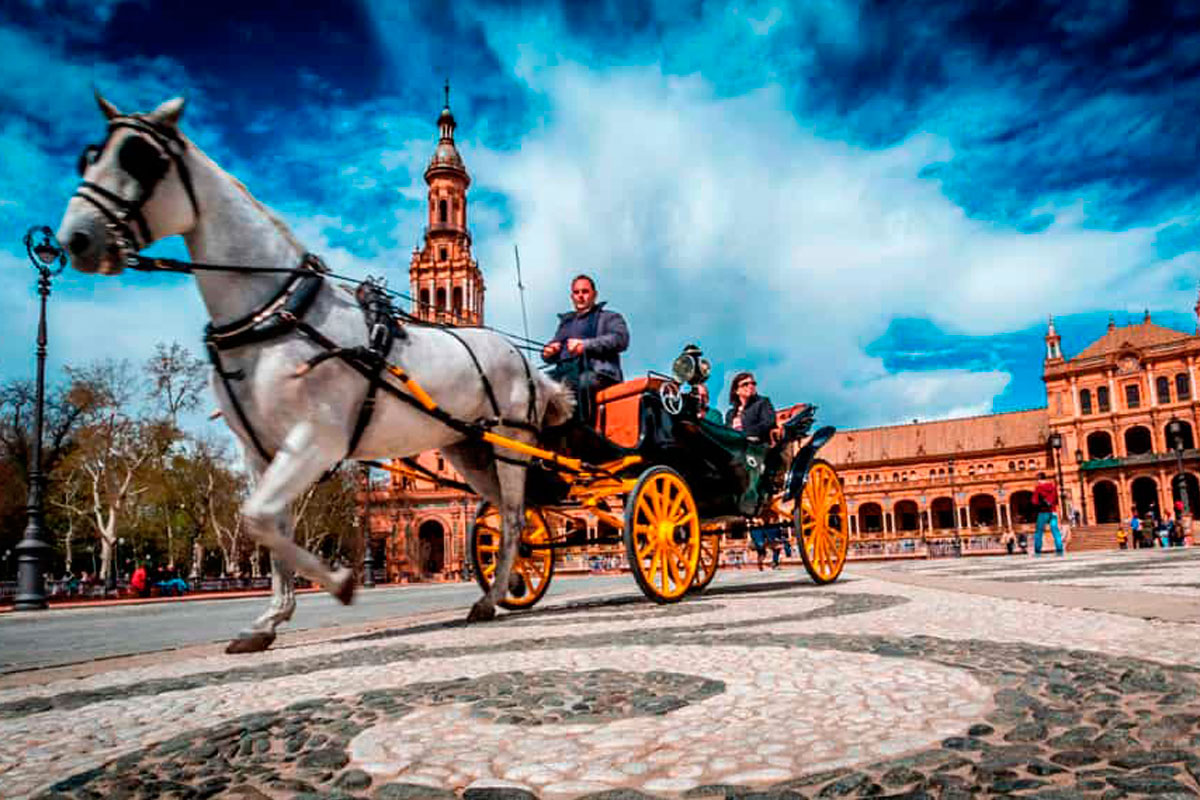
(960, 484)
(417, 527)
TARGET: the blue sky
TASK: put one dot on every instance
(873, 205)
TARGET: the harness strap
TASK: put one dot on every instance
(487, 385)
(214, 355)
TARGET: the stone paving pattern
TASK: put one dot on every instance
(770, 687)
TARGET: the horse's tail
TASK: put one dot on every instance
(560, 400)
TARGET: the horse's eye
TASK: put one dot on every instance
(89, 156)
(142, 160)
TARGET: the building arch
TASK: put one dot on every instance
(1144, 494)
(907, 516)
(870, 518)
(1021, 509)
(1188, 441)
(1138, 441)
(431, 547)
(942, 512)
(982, 510)
(1099, 445)
(1105, 505)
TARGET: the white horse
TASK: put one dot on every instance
(146, 182)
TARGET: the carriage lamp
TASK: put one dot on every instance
(44, 253)
(691, 366)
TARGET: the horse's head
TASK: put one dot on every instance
(135, 189)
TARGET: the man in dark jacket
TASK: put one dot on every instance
(587, 346)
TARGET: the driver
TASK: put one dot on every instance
(593, 339)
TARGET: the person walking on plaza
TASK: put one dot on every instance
(1135, 530)
(1045, 499)
(586, 348)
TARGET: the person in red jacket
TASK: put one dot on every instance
(1045, 500)
(138, 582)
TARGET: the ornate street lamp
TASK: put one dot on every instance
(1175, 431)
(49, 260)
(954, 500)
(368, 567)
(1056, 442)
(1082, 487)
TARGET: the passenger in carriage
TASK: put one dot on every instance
(750, 412)
(587, 346)
(703, 410)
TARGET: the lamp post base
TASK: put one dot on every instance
(31, 586)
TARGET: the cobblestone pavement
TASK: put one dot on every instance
(767, 687)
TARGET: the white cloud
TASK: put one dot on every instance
(724, 220)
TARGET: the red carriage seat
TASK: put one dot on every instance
(618, 409)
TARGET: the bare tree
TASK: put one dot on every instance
(177, 379)
(114, 448)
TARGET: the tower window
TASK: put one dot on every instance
(456, 298)
(1085, 401)
(441, 299)
(441, 210)
(1102, 399)
(442, 255)
(424, 299)
(1183, 387)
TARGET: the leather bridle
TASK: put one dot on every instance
(148, 164)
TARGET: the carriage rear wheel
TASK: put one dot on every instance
(662, 534)
(822, 529)
(706, 567)
(532, 569)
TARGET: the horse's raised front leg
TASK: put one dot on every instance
(261, 634)
(512, 514)
(301, 461)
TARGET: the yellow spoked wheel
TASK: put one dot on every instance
(662, 534)
(710, 558)
(822, 529)
(532, 569)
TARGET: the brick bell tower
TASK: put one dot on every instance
(446, 283)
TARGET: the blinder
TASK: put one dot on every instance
(147, 164)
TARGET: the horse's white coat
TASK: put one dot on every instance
(307, 422)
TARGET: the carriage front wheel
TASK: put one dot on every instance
(532, 569)
(822, 527)
(662, 534)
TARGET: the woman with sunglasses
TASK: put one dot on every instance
(749, 412)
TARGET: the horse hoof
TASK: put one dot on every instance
(250, 642)
(481, 613)
(343, 586)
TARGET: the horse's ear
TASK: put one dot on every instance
(110, 111)
(168, 113)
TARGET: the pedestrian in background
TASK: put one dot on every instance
(1045, 500)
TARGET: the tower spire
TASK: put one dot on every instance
(1053, 342)
(1196, 308)
(447, 88)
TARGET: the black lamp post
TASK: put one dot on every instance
(1082, 489)
(44, 253)
(368, 566)
(1056, 442)
(954, 506)
(1175, 431)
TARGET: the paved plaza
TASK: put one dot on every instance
(1049, 677)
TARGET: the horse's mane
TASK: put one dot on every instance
(275, 219)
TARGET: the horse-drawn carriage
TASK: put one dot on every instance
(682, 482)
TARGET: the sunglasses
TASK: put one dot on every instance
(747, 383)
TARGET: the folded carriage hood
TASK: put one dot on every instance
(803, 461)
